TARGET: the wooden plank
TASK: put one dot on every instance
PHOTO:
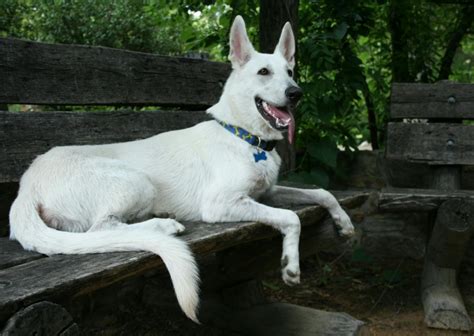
(439, 143)
(414, 200)
(24, 135)
(444, 100)
(11, 254)
(8, 192)
(25, 284)
(40, 73)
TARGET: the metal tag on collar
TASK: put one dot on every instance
(261, 155)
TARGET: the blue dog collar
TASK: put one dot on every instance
(248, 137)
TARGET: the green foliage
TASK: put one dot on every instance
(332, 75)
(463, 67)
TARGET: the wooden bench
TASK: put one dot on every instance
(35, 289)
(440, 138)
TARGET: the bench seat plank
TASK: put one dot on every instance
(11, 254)
(41, 73)
(59, 274)
(24, 135)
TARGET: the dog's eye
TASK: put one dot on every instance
(290, 72)
(263, 71)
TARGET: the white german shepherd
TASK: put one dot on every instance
(79, 199)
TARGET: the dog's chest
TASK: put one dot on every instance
(262, 174)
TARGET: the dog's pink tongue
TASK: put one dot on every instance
(291, 128)
(287, 119)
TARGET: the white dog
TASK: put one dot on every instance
(79, 199)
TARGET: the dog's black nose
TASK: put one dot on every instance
(294, 94)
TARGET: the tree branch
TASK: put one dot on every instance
(463, 25)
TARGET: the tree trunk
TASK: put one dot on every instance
(400, 69)
(273, 15)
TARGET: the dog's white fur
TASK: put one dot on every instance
(200, 173)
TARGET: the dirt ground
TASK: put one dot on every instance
(384, 295)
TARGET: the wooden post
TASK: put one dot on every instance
(442, 302)
(447, 178)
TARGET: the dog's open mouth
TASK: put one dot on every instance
(279, 117)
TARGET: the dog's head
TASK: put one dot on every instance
(261, 93)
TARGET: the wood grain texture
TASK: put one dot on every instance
(443, 100)
(446, 178)
(26, 284)
(439, 143)
(442, 302)
(451, 233)
(416, 200)
(11, 254)
(41, 319)
(24, 135)
(40, 73)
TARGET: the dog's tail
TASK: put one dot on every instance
(33, 234)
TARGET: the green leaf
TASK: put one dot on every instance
(340, 31)
(271, 286)
(324, 151)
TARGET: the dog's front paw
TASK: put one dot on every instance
(290, 272)
(344, 224)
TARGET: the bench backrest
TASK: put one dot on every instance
(68, 75)
(432, 124)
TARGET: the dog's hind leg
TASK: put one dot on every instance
(245, 208)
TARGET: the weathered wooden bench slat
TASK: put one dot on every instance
(432, 101)
(40, 73)
(24, 135)
(11, 254)
(437, 143)
(406, 200)
(26, 283)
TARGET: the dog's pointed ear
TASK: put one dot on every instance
(286, 45)
(240, 47)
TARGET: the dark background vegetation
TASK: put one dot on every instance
(349, 52)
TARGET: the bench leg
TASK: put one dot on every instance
(243, 310)
(41, 319)
(442, 302)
